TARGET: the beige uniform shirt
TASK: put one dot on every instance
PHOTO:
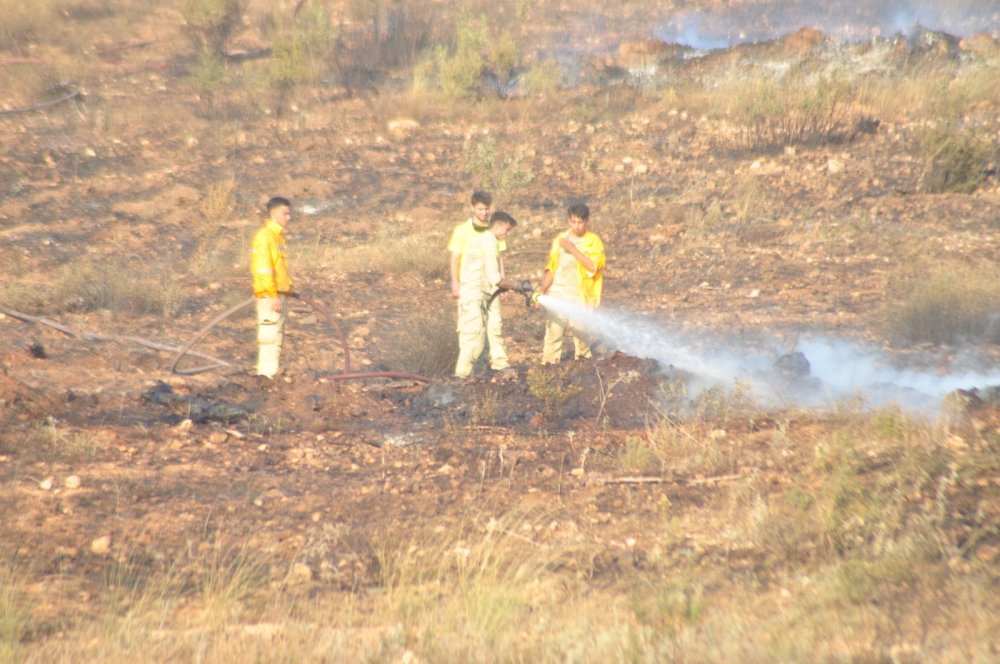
(565, 285)
(480, 272)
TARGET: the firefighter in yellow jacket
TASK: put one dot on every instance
(574, 274)
(271, 282)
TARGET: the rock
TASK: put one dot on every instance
(101, 546)
(402, 127)
(802, 41)
(298, 574)
(45, 484)
(983, 44)
(793, 364)
(218, 437)
(72, 482)
(835, 166)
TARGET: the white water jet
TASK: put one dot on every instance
(838, 368)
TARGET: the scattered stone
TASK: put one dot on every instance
(835, 166)
(299, 574)
(218, 437)
(402, 127)
(793, 364)
(45, 484)
(101, 546)
(72, 482)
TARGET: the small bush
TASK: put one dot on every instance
(638, 457)
(543, 77)
(950, 303)
(956, 159)
(219, 203)
(115, 289)
(550, 386)
(423, 343)
(479, 60)
(485, 408)
(503, 176)
(300, 50)
(770, 115)
(210, 24)
(381, 37)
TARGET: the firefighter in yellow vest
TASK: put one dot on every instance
(271, 282)
(574, 274)
(462, 237)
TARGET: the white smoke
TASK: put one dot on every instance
(839, 369)
(845, 20)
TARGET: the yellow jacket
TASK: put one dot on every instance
(589, 283)
(464, 235)
(269, 262)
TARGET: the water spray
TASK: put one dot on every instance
(834, 369)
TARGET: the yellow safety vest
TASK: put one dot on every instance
(269, 262)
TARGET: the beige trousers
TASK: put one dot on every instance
(555, 331)
(474, 333)
(270, 335)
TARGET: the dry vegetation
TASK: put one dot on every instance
(793, 185)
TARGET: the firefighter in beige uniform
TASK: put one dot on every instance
(574, 273)
(480, 281)
(271, 282)
(462, 237)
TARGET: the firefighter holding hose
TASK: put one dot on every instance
(574, 273)
(271, 283)
(481, 280)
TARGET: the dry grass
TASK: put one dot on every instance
(23, 21)
(91, 287)
(421, 342)
(389, 251)
(950, 302)
(871, 575)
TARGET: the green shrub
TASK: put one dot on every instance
(771, 114)
(956, 159)
(551, 386)
(543, 77)
(210, 24)
(300, 49)
(503, 176)
(479, 59)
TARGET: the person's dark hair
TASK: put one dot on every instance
(482, 197)
(579, 210)
(501, 216)
(277, 202)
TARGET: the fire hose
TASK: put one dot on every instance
(346, 374)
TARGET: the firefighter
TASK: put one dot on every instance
(478, 305)
(574, 274)
(461, 238)
(271, 283)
